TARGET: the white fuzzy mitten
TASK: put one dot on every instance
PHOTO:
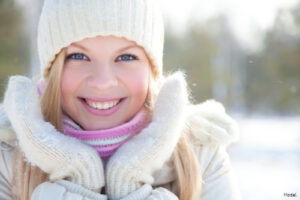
(64, 190)
(61, 156)
(135, 161)
(146, 192)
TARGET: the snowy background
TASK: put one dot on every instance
(266, 160)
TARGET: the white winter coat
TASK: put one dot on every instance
(212, 131)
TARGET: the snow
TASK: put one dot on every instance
(266, 159)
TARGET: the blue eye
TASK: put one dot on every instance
(126, 57)
(77, 56)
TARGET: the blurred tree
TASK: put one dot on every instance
(14, 54)
(273, 82)
(213, 59)
(229, 65)
(193, 53)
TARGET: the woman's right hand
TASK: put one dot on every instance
(61, 156)
(64, 190)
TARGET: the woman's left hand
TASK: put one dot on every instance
(147, 193)
(135, 161)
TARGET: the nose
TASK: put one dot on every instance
(102, 77)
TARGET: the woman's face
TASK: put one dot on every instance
(104, 81)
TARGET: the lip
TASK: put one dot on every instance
(106, 112)
(101, 99)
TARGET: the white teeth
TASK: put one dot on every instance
(102, 106)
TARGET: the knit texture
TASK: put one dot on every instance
(107, 141)
(64, 190)
(148, 193)
(59, 155)
(63, 22)
(135, 162)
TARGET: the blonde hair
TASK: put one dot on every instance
(27, 177)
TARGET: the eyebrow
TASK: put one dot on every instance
(128, 47)
(79, 46)
(120, 50)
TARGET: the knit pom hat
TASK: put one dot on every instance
(63, 22)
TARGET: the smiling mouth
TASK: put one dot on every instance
(102, 105)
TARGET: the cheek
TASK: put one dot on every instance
(68, 85)
(139, 87)
(137, 83)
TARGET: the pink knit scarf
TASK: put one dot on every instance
(105, 141)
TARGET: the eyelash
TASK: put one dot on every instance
(70, 56)
(132, 57)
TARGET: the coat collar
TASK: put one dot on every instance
(206, 123)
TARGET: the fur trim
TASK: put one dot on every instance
(6, 132)
(209, 123)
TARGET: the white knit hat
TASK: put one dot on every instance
(63, 22)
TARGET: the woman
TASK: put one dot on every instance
(104, 122)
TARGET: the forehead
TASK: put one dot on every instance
(104, 41)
